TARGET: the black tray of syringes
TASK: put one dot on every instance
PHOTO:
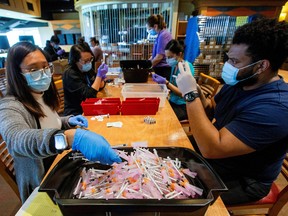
(61, 181)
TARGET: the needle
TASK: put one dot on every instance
(119, 146)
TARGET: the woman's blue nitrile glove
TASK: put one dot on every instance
(159, 79)
(60, 52)
(94, 147)
(78, 120)
(104, 77)
(102, 70)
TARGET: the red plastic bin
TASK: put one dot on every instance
(140, 106)
(101, 106)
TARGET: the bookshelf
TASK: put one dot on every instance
(215, 34)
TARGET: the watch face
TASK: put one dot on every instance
(189, 97)
(60, 142)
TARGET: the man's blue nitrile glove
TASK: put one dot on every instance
(94, 147)
(159, 79)
(60, 52)
(102, 70)
(78, 120)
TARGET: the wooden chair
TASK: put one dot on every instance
(3, 82)
(7, 167)
(60, 90)
(209, 87)
(59, 66)
(56, 77)
(274, 201)
(208, 84)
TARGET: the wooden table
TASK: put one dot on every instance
(166, 132)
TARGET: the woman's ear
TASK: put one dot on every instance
(156, 27)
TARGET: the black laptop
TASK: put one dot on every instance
(136, 71)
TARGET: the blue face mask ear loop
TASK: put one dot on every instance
(252, 74)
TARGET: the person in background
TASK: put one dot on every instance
(81, 40)
(29, 121)
(156, 25)
(96, 49)
(53, 49)
(247, 142)
(174, 53)
(80, 80)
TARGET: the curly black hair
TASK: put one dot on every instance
(266, 39)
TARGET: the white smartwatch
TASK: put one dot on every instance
(60, 142)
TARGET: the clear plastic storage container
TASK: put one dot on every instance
(135, 90)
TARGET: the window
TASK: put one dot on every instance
(28, 38)
(4, 44)
(4, 2)
(30, 6)
(122, 22)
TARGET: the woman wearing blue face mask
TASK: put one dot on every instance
(156, 26)
(80, 80)
(174, 52)
(53, 49)
(32, 129)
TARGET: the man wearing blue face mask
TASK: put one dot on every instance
(247, 142)
(53, 49)
(174, 52)
(156, 26)
(80, 80)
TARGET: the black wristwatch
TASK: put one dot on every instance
(190, 96)
(60, 142)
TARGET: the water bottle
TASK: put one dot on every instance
(121, 77)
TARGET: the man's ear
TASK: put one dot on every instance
(263, 66)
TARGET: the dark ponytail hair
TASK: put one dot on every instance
(156, 19)
(174, 46)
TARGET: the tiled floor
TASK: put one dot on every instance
(9, 203)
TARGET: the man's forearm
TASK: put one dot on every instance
(204, 132)
(207, 103)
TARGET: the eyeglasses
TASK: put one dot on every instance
(38, 74)
(87, 61)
